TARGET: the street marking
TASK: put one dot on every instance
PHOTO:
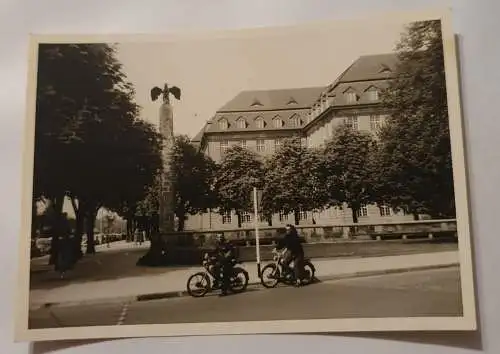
(55, 318)
(123, 314)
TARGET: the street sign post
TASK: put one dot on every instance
(257, 198)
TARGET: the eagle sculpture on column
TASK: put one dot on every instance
(174, 90)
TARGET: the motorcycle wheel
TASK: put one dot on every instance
(270, 276)
(240, 282)
(309, 273)
(198, 284)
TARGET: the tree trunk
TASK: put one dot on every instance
(34, 219)
(355, 211)
(296, 214)
(181, 217)
(182, 222)
(90, 223)
(57, 205)
(157, 253)
(238, 215)
(80, 219)
(130, 228)
(270, 221)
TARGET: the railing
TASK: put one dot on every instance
(321, 233)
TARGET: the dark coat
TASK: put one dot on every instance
(292, 242)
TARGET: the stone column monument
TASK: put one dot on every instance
(167, 193)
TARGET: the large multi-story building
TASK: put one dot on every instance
(259, 120)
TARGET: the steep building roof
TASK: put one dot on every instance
(371, 67)
(269, 100)
(250, 107)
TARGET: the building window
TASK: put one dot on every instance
(363, 211)
(260, 123)
(246, 217)
(224, 145)
(260, 145)
(351, 97)
(375, 122)
(277, 144)
(352, 122)
(296, 122)
(283, 216)
(243, 144)
(241, 123)
(372, 94)
(278, 123)
(385, 210)
(226, 218)
(223, 125)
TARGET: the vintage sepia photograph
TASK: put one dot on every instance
(270, 180)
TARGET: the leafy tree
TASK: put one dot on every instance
(346, 168)
(193, 174)
(293, 180)
(240, 170)
(415, 154)
(89, 144)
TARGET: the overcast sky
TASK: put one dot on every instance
(211, 71)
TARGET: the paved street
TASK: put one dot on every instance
(85, 285)
(417, 293)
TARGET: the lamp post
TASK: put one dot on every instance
(257, 197)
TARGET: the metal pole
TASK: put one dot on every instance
(256, 221)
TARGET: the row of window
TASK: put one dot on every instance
(352, 122)
(351, 97)
(260, 123)
(375, 122)
(260, 145)
(362, 212)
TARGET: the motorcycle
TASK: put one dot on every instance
(201, 283)
(274, 273)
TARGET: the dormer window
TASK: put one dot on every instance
(223, 124)
(384, 69)
(241, 123)
(351, 97)
(278, 123)
(296, 121)
(256, 103)
(372, 94)
(259, 122)
(292, 101)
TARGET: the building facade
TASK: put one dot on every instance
(260, 120)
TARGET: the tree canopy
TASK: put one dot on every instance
(346, 167)
(415, 153)
(239, 171)
(293, 180)
(193, 173)
(89, 142)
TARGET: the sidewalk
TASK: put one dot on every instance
(173, 282)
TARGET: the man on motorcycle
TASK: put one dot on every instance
(225, 257)
(295, 252)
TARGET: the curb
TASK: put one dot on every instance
(183, 293)
(371, 273)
